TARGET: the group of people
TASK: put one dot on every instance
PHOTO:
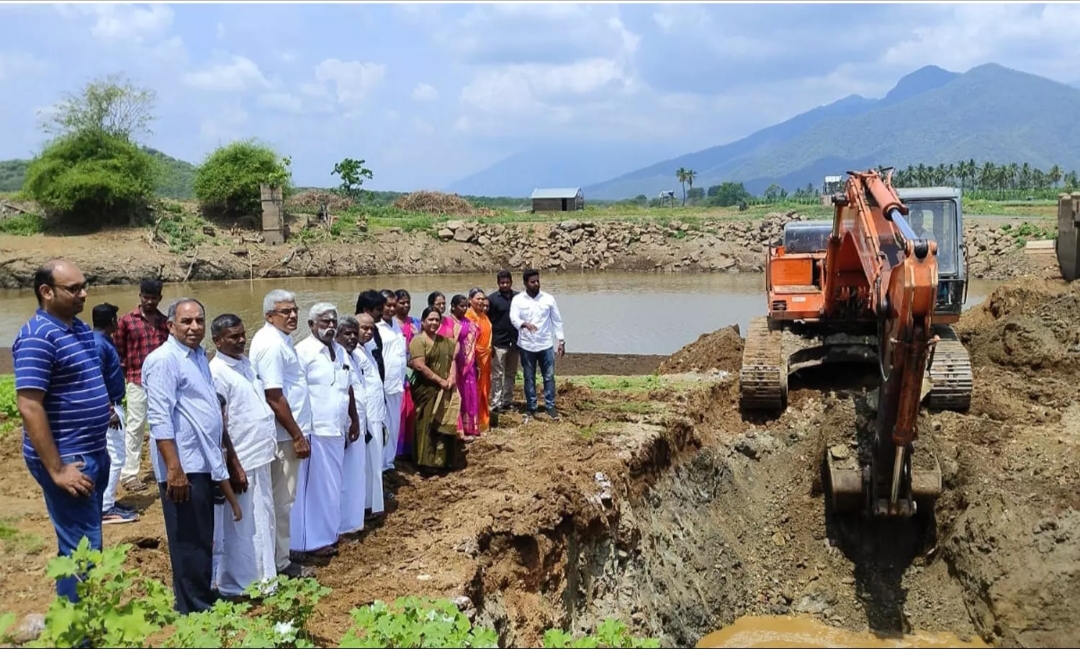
(265, 458)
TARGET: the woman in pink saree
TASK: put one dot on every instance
(469, 419)
(410, 326)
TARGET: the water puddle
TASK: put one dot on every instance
(780, 631)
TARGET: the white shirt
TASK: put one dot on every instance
(274, 357)
(251, 421)
(329, 382)
(395, 356)
(369, 388)
(540, 311)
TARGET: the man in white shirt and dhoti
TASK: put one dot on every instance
(316, 515)
(375, 402)
(354, 472)
(395, 355)
(247, 545)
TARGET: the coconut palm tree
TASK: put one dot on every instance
(691, 175)
(680, 173)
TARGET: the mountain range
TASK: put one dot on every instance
(990, 113)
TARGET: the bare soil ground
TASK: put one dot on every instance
(654, 500)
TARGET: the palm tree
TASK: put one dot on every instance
(1054, 175)
(680, 173)
(691, 175)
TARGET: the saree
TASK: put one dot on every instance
(469, 418)
(410, 327)
(483, 367)
(435, 441)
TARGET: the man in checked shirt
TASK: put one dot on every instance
(139, 332)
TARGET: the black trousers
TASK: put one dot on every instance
(190, 529)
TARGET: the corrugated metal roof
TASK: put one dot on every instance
(557, 192)
(927, 193)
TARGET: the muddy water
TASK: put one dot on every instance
(804, 632)
(625, 313)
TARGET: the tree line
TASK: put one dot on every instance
(94, 172)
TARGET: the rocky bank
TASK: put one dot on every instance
(462, 246)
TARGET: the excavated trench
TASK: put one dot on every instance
(716, 518)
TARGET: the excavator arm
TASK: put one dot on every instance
(877, 266)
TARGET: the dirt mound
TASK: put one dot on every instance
(719, 350)
(1032, 327)
(439, 203)
(309, 201)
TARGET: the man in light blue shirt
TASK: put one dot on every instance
(189, 438)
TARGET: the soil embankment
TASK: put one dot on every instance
(654, 500)
(722, 245)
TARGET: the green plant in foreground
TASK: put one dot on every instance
(610, 633)
(116, 607)
(415, 622)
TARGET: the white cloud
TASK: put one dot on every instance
(425, 92)
(354, 80)
(530, 87)
(225, 126)
(285, 102)
(124, 22)
(18, 63)
(240, 74)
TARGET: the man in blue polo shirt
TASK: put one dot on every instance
(64, 405)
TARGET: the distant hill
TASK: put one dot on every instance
(931, 116)
(175, 179)
(557, 166)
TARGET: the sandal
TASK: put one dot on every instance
(133, 484)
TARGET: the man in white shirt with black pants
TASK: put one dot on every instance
(536, 316)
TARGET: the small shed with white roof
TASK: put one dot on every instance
(559, 199)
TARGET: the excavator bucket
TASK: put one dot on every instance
(848, 488)
(845, 486)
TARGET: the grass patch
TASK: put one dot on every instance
(1040, 209)
(22, 225)
(619, 383)
(1025, 232)
(15, 541)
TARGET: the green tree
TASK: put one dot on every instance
(680, 173)
(691, 176)
(109, 105)
(729, 194)
(89, 179)
(227, 182)
(352, 174)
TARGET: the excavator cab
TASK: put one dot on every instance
(936, 213)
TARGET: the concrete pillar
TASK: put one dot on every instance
(273, 215)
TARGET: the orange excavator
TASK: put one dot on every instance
(881, 284)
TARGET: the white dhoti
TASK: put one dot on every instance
(373, 497)
(248, 548)
(354, 487)
(393, 428)
(316, 514)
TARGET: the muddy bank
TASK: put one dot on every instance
(124, 256)
(656, 502)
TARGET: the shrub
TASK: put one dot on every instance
(227, 182)
(91, 179)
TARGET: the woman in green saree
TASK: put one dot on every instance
(437, 443)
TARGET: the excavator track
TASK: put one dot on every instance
(763, 379)
(950, 374)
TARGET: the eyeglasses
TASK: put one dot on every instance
(74, 289)
(286, 312)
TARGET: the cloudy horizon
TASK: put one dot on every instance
(429, 94)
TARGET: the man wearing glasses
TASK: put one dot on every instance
(64, 405)
(285, 384)
(139, 332)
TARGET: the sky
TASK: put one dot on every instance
(430, 93)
